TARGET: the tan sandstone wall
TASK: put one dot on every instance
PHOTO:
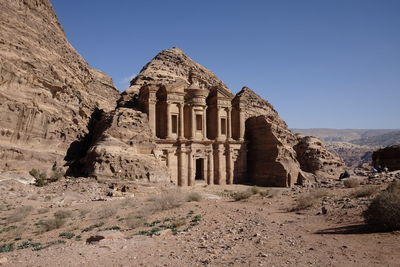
(47, 90)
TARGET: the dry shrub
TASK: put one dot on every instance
(178, 222)
(43, 210)
(193, 196)
(365, 191)
(351, 183)
(133, 221)
(271, 192)
(62, 214)
(167, 200)
(83, 212)
(237, 196)
(309, 199)
(106, 212)
(51, 224)
(255, 190)
(384, 211)
(20, 214)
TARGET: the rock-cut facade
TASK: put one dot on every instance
(199, 131)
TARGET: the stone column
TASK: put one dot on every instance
(193, 124)
(221, 170)
(190, 168)
(241, 124)
(152, 115)
(218, 137)
(210, 179)
(229, 124)
(182, 175)
(168, 120)
(205, 123)
(181, 122)
(230, 167)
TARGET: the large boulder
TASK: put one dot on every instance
(47, 90)
(315, 158)
(387, 157)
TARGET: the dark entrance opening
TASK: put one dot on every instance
(199, 169)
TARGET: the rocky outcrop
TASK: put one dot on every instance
(122, 148)
(271, 157)
(315, 158)
(271, 160)
(387, 157)
(174, 68)
(47, 91)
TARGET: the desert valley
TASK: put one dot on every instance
(176, 170)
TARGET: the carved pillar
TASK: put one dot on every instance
(205, 123)
(193, 124)
(168, 120)
(241, 124)
(190, 168)
(182, 167)
(210, 179)
(230, 165)
(221, 166)
(181, 122)
(218, 124)
(152, 115)
(229, 124)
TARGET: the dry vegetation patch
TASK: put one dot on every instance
(20, 214)
(351, 183)
(309, 199)
(384, 211)
(365, 191)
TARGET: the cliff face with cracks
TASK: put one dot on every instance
(47, 90)
(54, 106)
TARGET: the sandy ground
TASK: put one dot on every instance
(216, 231)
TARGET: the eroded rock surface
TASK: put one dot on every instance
(315, 158)
(270, 155)
(47, 90)
(387, 157)
(123, 148)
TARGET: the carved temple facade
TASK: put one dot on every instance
(199, 132)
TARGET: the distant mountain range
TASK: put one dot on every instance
(351, 135)
(355, 146)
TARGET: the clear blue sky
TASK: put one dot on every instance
(320, 63)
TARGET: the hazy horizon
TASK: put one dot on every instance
(321, 64)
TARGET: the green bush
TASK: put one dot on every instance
(384, 211)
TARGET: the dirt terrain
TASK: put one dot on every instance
(153, 225)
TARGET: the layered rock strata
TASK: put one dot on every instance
(315, 158)
(47, 90)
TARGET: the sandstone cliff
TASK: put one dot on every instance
(47, 90)
(270, 143)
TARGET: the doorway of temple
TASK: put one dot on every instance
(199, 169)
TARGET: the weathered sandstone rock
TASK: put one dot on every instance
(122, 148)
(174, 68)
(47, 90)
(315, 158)
(387, 157)
(270, 153)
